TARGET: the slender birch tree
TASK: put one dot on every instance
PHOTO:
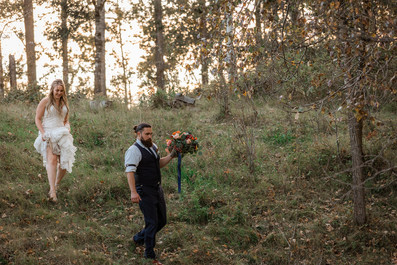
(30, 43)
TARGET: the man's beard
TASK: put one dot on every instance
(147, 143)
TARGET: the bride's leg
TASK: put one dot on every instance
(60, 174)
(51, 167)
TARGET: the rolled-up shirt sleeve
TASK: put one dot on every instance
(132, 158)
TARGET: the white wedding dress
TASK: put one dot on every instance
(58, 134)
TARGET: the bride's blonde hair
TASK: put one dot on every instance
(63, 101)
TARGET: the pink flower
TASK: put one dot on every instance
(188, 141)
(176, 136)
(169, 142)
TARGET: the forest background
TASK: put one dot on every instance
(296, 114)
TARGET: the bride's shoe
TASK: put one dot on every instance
(53, 196)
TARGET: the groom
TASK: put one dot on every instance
(143, 163)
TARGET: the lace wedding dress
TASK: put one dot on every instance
(57, 135)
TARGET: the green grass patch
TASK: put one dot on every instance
(294, 209)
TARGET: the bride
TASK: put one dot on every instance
(55, 143)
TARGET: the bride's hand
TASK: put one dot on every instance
(67, 125)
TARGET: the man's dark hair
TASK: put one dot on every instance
(140, 127)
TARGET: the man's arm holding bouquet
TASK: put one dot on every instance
(170, 155)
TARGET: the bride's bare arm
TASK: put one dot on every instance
(39, 115)
(66, 123)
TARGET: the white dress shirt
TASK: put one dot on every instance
(133, 156)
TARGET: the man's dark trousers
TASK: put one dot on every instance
(153, 207)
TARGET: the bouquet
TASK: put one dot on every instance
(184, 143)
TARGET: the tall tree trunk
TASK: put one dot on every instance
(65, 39)
(355, 95)
(159, 49)
(30, 44)
(1, 74)
(123, 63)
(224, 89)
(274, 32)
(356, 145)
(100, 67)
(230, 53)
(368, 25)
(13, 72)
(203, 36)
(355, 125)
(258, 23)
(258, 33)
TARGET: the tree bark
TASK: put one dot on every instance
(274, 32)
(224, 89)
(225, 108)
(65, 40)
(258, 24)
(203, 37)
(356, 145)
(354, 93)
(230, 54)
(258, 34)
(1, 74)
(30, 44)
(123, 63)
(159, 49)
(100, 67)
(13, 72)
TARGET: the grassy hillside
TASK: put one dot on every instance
(291, 210)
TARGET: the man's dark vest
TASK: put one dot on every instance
(148, 170)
